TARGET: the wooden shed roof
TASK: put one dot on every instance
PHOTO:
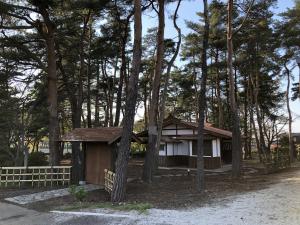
(99, 134)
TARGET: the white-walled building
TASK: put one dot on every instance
(179, 144)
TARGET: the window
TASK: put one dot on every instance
(207, 148)
(162, 147)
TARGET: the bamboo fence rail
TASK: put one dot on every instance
(35, 175)
(109, 178)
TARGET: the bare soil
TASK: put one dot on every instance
(175, 192)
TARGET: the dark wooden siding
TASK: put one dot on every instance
(98, 158)
(189, 161)
(207, 148)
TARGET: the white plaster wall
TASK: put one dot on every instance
(168, 132)
(190, 148)
(185, 132)
(216, 147)
(219, 146)
(169, 148)
(182, 148)
(171, 130)
(176, 149)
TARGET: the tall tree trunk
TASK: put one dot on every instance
(111, 94)
(196, 90)
(89, 73)
(77, 170)
(47, 31)
(219, 99)
(200, 184)
(236, 133)
(145, 107)
(246, 137)
(122, 77)
(291, 144)
(97, 97)
(262, 143)
(152, 153)
(167, 77)
(119, 187)
(52, 99)
(252, 122)
(77, 154)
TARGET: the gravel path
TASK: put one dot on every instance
(277, 205)
(45, 195)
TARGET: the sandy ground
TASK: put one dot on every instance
(277, 205)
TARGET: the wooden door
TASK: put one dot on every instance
(98, 158)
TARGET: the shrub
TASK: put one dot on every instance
(37, 159)
(138, 150)
(79, 193)
(68, 155)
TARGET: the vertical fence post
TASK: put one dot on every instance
(0, 176)
(32, 172)
(20, 172)
(45, 177)
(63, 176)
(6, 177)
(51, 175)
(16, 176)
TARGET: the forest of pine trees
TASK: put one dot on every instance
(76, 63)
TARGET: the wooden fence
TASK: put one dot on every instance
(109, 178)
(35, 176)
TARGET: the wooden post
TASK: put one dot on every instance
(0, 176)
(6, 178)
(18, 175)
(63, 177)
(20, 172)
(45, 177)
(51, 174)
(32, 172)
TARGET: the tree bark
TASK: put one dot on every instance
(52, 98)
(119, 187)
(200, 183)
(219, 99)
(97, 97)
(246, 137)
(167, 77)
(77, 154)
(291, 144)
(121, 82)
(152, 152)
(89, 73)
(262, 143)
(236, 133)
(123, 73)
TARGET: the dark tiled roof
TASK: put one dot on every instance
(101, 134)
(208, 128)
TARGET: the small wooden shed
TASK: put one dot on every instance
(100, 149)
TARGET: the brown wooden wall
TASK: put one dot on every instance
(176, 160)
(97, 158)
(209, 162)
(189, 161)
